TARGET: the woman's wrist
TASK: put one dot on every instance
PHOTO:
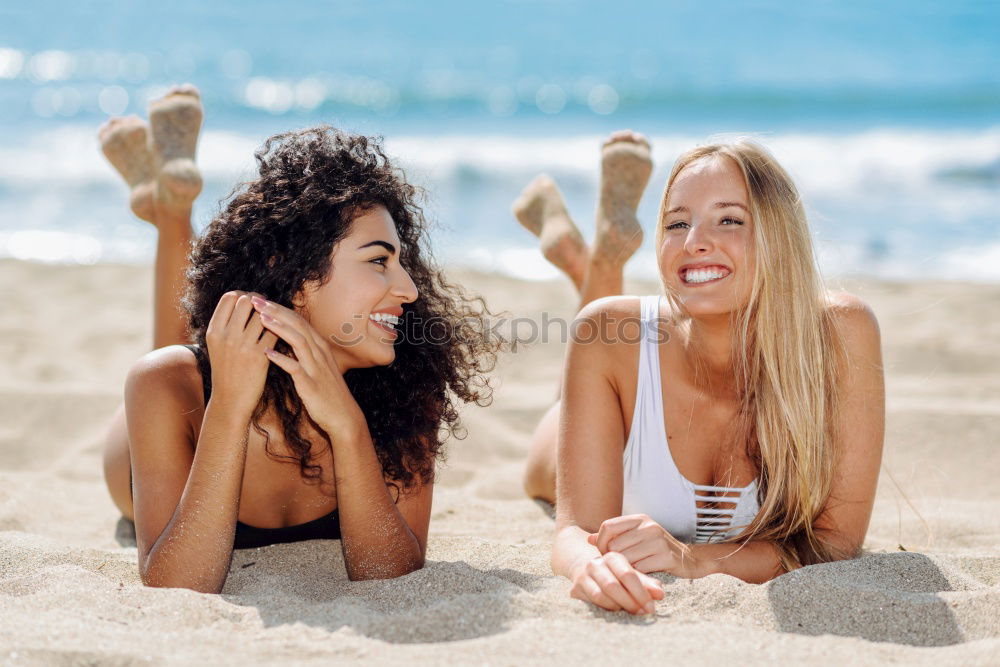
(230, 402)
(703, 562)
(234, 413)
(571, 558)
(349, 428)
(708, 565)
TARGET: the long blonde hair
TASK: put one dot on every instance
(786, 354)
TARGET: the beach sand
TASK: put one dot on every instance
(927, 590)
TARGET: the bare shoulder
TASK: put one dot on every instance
(605, 343)
(846, 304)
(169, 374)
(857, 324)
(607, 327)
(852, 314)
(611, 306)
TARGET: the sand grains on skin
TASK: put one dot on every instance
(125, 143)
(175, 122)
(541, 210)
(626, 164)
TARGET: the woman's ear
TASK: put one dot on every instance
(300, 300)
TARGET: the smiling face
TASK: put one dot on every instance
(361, 300)
(705, 255)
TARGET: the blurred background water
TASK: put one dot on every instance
(887, 114)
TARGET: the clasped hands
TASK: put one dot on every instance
(632, 546)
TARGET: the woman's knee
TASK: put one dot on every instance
(118, 464)
(540, 482)
(540, 471)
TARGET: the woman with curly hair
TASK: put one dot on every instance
(309, 404)
(732, 424)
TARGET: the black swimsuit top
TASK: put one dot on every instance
(250, 537)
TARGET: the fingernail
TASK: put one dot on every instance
(257, 301)
(650, 607)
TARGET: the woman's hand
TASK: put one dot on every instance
(236, 350)
(317, 377)
(610, 582)
(647, 546)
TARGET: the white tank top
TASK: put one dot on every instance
(653, 484)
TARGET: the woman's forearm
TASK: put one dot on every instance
(196, 547)
(754, 562)
(378, 543)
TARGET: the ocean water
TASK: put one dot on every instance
(887, 114)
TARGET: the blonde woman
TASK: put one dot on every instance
(732, 425)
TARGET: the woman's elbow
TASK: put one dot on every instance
(153, 579)
(838, 546)
(414, 564)
(383, 570)
(846, 551)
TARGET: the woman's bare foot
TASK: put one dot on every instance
(625, 168)
(124, 143)
(174, 121)
(541, 210)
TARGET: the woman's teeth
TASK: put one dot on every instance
(384, 319)
(704, 275)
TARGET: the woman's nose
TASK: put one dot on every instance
(699, 240)
(404, 288)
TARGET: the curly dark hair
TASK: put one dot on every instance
(277, 232)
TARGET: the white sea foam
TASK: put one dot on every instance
(885, 201)
(820, 163)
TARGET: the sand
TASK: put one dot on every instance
(70, 592)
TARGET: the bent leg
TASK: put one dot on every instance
(626, 165)
(118, 464)
(540, 472)
(541, 210)
(173, 244)
(625, 168)
(157, 161)
(174, 124)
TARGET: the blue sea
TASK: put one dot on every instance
(887, 114)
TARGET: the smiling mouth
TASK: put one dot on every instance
(705, 275)
(385, 322)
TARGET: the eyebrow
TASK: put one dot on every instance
(718, 204)
(384, 244)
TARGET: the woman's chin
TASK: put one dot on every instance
(705, 309)
(367, 355)
(377, 358)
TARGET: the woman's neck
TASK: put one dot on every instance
(344, 361)
(707, 349)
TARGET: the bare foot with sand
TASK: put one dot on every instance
(124, 141)
(541, 210)
(625, 168)
(175, 120)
